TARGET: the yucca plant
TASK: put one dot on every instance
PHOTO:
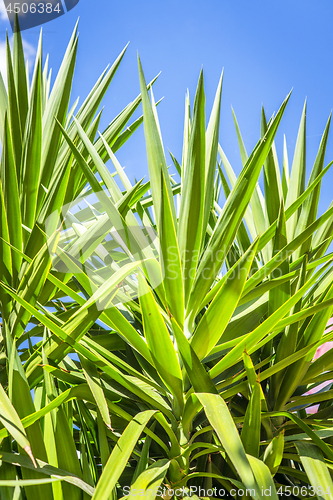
(167, 337)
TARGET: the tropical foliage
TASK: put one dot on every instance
(157, 338)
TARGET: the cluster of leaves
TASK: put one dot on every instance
(181, 361)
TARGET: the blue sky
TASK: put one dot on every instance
(266, 48)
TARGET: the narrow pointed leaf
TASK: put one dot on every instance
(120, 455)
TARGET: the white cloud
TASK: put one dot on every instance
(29, 53)
(3, 13)
(3, 65)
